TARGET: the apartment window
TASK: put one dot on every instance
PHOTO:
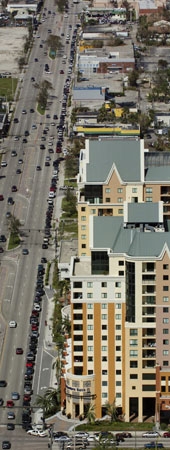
(165, 288)
(83, 254)
(118, 337)
(118, 284)
(118, 395)
(134, 190)
(121, 263)
(83, 218)
(89, 284)
(90, 372)
(83, 208)
(90, 358)
(118, 348)
(104, 394)
(133, 332)
(89, 295)
(104, 295)
(165, 341)
(93, 211)
(104, 305)
(165, 299)
(104, 348)
(133, 376)
(90, 348)
(118, 295)
(165, 266)
(119, 190)
(104, 316)
(83, 236)
(165, 320)
(120, 211)
(104, 327)
(107, 199)
(104, 338)
(103, 284)
(118, 316)
(148, 199)
(77, 284)
(133, 342)
(89, 305)
(107, 190)
(118, 358)
(90, 327)
(83, 227)
(104, 383)
(165, 331)
(165, 352)
(120, 200)
(90, 338)
(118, 327)
(83, 246)
(118, 383)
(166, 277)
(118, 305)
(148, 190)
(133, 353)
(118, 372)
(166, 310)
(90, 316)
(133, 364)
(104, 372)
(165, 363)
(104, 358)
(121, 273)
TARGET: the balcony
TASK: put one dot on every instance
(149, 354)
(148, 267)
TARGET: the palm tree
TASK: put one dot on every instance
(112, 410)
(90, 413)
(44, 403)
(54, 396)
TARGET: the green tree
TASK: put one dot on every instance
(132, 77)
(54, 42)
(112, 410)
(14, 225)
(44, 403)
(90, 413)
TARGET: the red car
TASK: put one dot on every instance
(27, 398)
(1, 197)
(29, 364)
(9, 404)
(34, 327)
(35, 313)
(62, 72)
(19, 351)
(166, 434)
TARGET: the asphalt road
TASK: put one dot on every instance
(17, 271)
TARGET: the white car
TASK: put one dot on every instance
(150, 434)
(3, 163)
(43, 433)
(12, 324)
(33, 432)
(37, 307)
(51, 194)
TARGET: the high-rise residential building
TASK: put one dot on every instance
(120, 299)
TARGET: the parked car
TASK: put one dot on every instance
(150, 434)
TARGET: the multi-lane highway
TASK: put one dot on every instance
(17, 271)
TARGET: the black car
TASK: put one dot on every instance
(1, 402)
(44, 260)
(10, 201)
(2, 238)
(10, 426)
(27, 377)
(3, 383)
(26, 403)
(44, 246)
(29, 371)
(6, 444)
(33, 320)
(26, 133)
(42, 146)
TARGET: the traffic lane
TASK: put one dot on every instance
(44, 381)
(20, 439)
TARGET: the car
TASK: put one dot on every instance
(24, 141)
(44, 260)
(34, 127)
(42, 147)
(154, 445)
(47, 163)
(2, 238)
(15, 395)
(62, 72)
(19, 351)
(12, 324)
(125, 434)
(8, 214)
(34, 326)
(13, 188)
(24, 111)
(36, 59)
(30, 356)
(1, 197)
(38, 168)
(1, 250)
(81, 434)
(16, 138)
(32, 110)
(16, 120)
(1, 402)
(27, 397)
(119, 437)
(32, 79)
(20, 161)
(18, 171)
(13, 153)
(150, 434)
(10, 426)
(3, 163)
(9, 404)
(29, 371)
(43, 433)
(37, 307)
(10, 201)
(55, 117)
(32, 432)
(35, 333)
(3, 383)
(6, 444)
(29, 364)
(25, 251)
(166, 434)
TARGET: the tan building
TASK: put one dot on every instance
(120, 316)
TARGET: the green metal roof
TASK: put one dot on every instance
(124, 153)
(143, 213)
(158, 174)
